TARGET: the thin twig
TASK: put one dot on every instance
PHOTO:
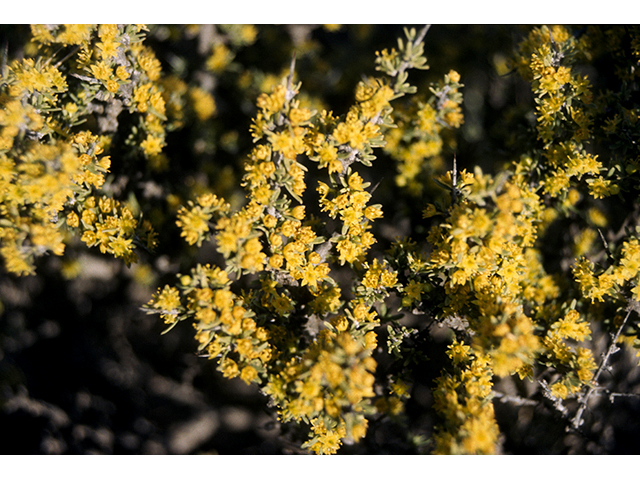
(606, 245)
(613, 348)
(613, 395)
(516, 400)
(405, 64)
(290, 93)
(422, 34)
(5, 59)
(66, 57)
(557, 402)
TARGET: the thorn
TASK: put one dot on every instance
(422, 33)
(604, 241)
(455, 172)
(290, 93)
(292, 67)
(454, 180)
(376, 185)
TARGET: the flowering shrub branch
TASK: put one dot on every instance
(294, 296)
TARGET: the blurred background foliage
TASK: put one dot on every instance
(84, 370)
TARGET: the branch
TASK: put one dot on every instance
(613, 348)
(405, 64)
(5, 59)
(69, 55)
(557, 402)
(290, 91)
(613, 395)
(422, 33)
(516, 400)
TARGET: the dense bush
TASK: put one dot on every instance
(374, 239)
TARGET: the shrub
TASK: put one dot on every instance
(358, 263)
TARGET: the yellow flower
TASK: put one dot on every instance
(355, 181)
(299, 115)
(203, 102)
(223, 299)
(152, 145)
(454, 76)
(101, 71)
(372, 212)
(351, 133)
(248, 374)
(122, 73)
(340, 323)
(600, 187)
(167, 300)
(73, 220)
(298, 212)
(120, 246)
(273, 103)
(459, 352)
(220, 58)
(349, 251)
(150, 64)
(194, 224)
(108, 49)
(559, 390)
(229, 368)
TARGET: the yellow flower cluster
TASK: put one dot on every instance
(34, 188)
(576, 365)
(194, 221)
(72, 34)
(327, 440)
(37, 76)
(377, 277)
(50, 168)
(296, 303)
(332, 381)
(38, 184)
(354, 132)
(328, 383)
(224, 327)
(350, 202)
(119, 69)
(418, 140)
(290, 330)
(111, 226)
(226, 41)
(481, 252)
(372, 98)
(565, 111)
(462, 398)
(610, 282)
(336, 144)
(300, 294)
